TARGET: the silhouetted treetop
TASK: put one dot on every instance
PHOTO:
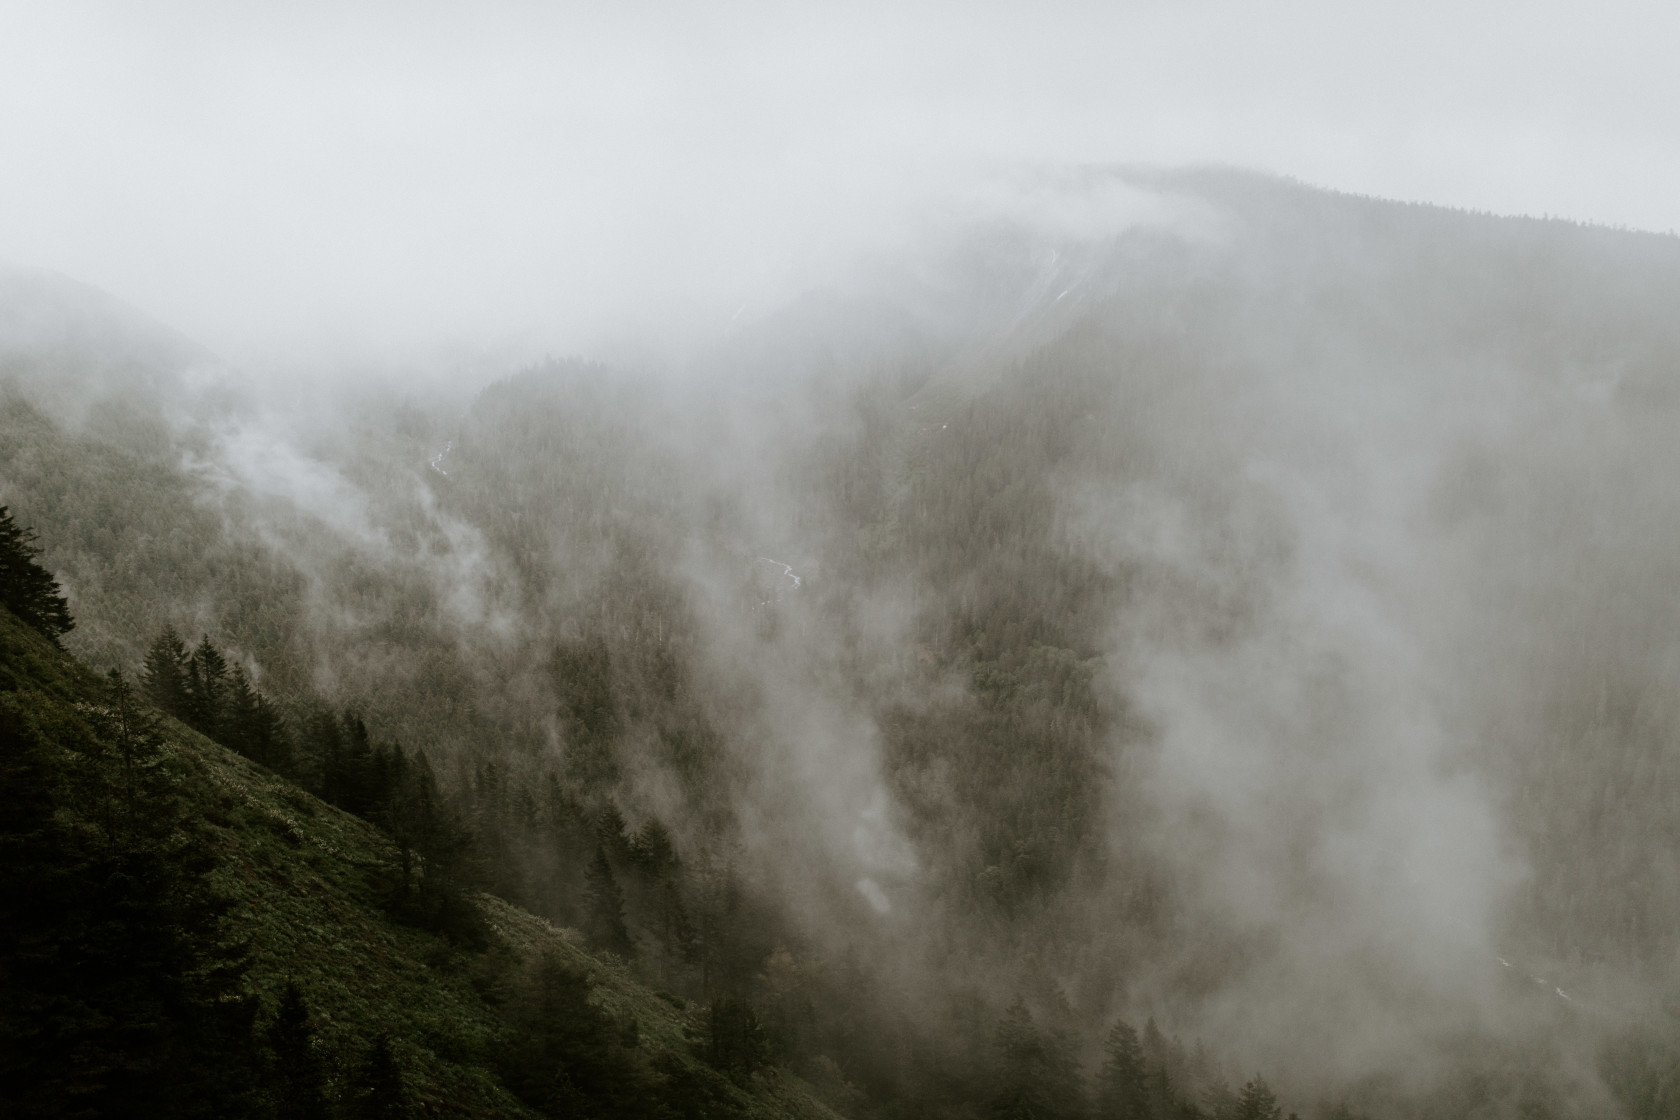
(27, 589)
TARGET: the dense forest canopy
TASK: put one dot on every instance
(1250, 626)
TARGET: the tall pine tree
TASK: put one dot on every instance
(605, 920)
(163, 675)
(27, 589)
(300, 1079)
(206, 688)
(1122, 1083)
(1036, 1075)
(1256, 1101)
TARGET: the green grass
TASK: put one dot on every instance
(304, 879)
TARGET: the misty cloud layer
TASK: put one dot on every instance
(295, 186)
(1330, 541)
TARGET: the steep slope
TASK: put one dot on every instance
(1259, 623)
(300, 886)
(69, 345)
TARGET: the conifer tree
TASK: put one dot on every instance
(671, 922)
(1166, 1061)
(378, 1091)
(1036, 1075)
(238, 705)
(206, 688)
(434, 847)
(605, 916)
(1018, 1095)
(251, 726)
(134, 733)
(738, 1044)
(568, 1056)
(300, 1079)
(163, 675)
(651, 848)
(323, 769)
(27, 589)
(1256, 1101)
(354, 786)
(612, 832)
(1122, 1083)
(118, 986)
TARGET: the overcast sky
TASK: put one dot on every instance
(384, 177)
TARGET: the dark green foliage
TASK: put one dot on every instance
(206, 689)
(692, 1093)
(567, 1057)
(251, 725)
(119, 992)
(651, 849)
(1171, 1078)
(732, 931)
(299, 1074)
(349, 773)
(589, 708)
(435, 848)
(669, 924)
(736, 1042)
(1122, 1082)
(1256, 1102)
(124, 993)
(163, 675)
(1006, 739)
(27, 589)
(378, 1092)
(604, 922)
(201, 689)
(1036, 1076)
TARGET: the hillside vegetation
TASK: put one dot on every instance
(164, 893)
(1252, 626)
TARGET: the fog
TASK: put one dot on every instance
(320, 184)
(1190, 596)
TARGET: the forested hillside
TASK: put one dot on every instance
(1068, 675)
(191, 934)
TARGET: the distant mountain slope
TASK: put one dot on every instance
(70, 344)
(1257, 615)
(301, 883)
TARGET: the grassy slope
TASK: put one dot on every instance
(303, 876)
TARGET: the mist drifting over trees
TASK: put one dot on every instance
(1167, 627)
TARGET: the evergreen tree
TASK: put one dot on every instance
(1122, 1083)
(651, 848)
(118, 990)
(27, 589)
(434, 847)
(671, 924)
(299, 1077)
(355, 784)
(565, 1054)
(737, 1042)
(134, 734)
(492, 829)
(378, 1092)
(250, 724)
(612, 832)
(206, 688)
(604, 922)
(1256, 1102)
(1036, 1077)
(1166, 1064)
(163, 675)
(323, 750)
